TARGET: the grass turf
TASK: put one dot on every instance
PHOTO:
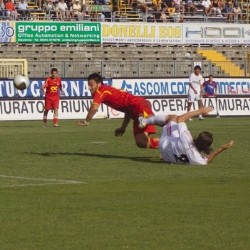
(129, 198)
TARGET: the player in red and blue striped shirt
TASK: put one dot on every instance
(210, 87)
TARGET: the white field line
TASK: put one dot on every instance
(98, 142)
(36, 184)
(42, 179)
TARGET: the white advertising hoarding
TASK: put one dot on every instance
(175, 33)
(178, 86)
(78, 108)
(33, 109)
(214, 33)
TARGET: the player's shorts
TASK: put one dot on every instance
(141, 107)
(193, 97)
(170, 138)
(52, 103)
(176, 145)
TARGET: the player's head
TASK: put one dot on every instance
(203, 142)
(53, 72)
(197, 69)
(210, 77)
(94, 81)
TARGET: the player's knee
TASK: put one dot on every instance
(141, 142)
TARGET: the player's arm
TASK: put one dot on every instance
(222, 148)
(201, 89)
(216, 89)
(91, 112)
(61, 88)
(44, 86)
(186, 116)
(120, 131)
(191, 84)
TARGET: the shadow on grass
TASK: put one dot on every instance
(103, 156)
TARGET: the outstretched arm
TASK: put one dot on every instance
(120, 131)
(93, 109)
(223, 147)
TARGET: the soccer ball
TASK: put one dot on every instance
(21, 82)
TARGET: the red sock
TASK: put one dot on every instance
(55, 120)
(153, 142)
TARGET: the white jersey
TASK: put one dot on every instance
(196, 81)
(176, 145)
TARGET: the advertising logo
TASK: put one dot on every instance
(7, 32)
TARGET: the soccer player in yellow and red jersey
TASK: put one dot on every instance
(51, 89)
(132, 106)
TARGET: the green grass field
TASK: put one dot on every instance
(82, 188)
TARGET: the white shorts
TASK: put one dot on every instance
(194, 97)
(169, 141)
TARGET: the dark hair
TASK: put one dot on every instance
(203, 142)
(197, 67)
(98, 78)
(210, 75)
(53, 69)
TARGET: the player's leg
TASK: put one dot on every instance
(45, 117)
(55, 118)
(47, 107)
(189, 109)
(188, 115)
(143, 140)
(159, 120)
(55, 108)
(191, 98)
(142, 136)
(200, 105)
(162, 120)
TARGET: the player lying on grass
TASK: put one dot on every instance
(132, 106)
(176, 143)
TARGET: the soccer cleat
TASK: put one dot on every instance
(190, 119)
(142, 122)
(201, 118)
(56, 125)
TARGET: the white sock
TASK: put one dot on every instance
(159, 120)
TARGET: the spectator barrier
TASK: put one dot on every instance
(167, 96)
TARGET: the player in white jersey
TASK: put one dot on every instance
(176, 143)
(195, 89)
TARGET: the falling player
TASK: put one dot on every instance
(132, 106)
(176, 143)
(51, 89)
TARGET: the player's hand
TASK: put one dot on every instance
(228, 145)
(119, 131)
(195, 91)
(82, 123)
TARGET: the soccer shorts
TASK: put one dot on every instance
(194, 97)
(176, 145)
(51, 103)
(141, 107)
